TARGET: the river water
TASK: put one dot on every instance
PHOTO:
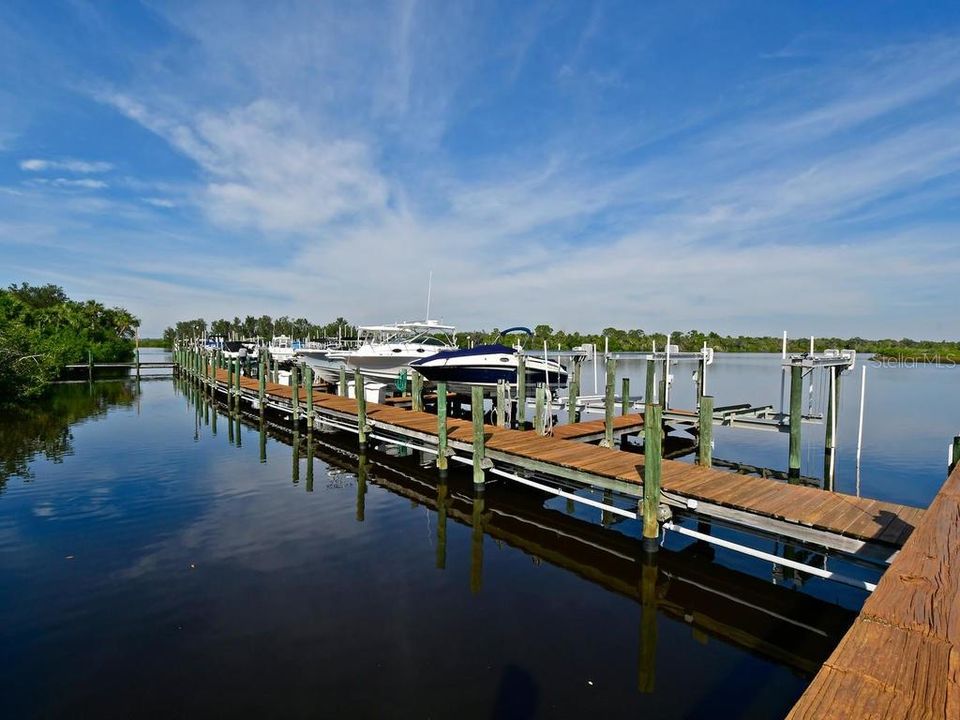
(159, 558)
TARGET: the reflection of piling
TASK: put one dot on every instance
(295, 472)
(476, 542)
(239, 433)
(361, 486)
(309, 461)
(263, 440)
(648, 624)
(442, 524)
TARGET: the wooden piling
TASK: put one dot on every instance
(829, 439)
(501, 403)
(229, 382)
(625, 396)
(416, 391)
(361, 408)
(261, 386)
(442, 428)
(573, 392)
(521, 390)
(705, 434)
(651, 382)
(608, 401)
(796, 402)
(90, 365)
(295, 394)
(652, 457)
(308, 384)
(342, 386)
(479, 441)
(539, 426)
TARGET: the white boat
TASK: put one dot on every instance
(326, 359)
(386, 351)
(282, 348)
(486, 365)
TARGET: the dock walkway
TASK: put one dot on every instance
(901, 657)
(835, 520)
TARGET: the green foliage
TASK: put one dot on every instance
(41, 330)
(263, 327)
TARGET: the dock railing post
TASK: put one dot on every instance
(625, 396)
(361, 397)
(608, 401)
(308, 384)
(652, 454)
(538, 420)
(705, 435)
(573, 393)
(521, 390)
(501, 403)
(479, 441)
(416, 391)
(295, 394)
(442, 428)
(796, 402)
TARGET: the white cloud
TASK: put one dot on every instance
(82, 183)
(73, 166)
(159, 202)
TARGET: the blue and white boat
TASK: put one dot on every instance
(486, 365)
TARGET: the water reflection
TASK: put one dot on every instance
(43, 429)
(776, 622)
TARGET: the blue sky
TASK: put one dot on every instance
(745, 167)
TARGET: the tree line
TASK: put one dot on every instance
(42, 330)
(619, 340)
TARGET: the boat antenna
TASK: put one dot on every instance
(429, 289)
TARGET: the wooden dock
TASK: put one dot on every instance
(901, 657)
(869, 528)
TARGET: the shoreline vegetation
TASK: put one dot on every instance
(42, 331)
(895, 350)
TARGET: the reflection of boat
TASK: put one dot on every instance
(386, 351)
(488, 364)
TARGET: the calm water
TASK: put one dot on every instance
(159, 558)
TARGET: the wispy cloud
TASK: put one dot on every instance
(81, 183)
(68, 165)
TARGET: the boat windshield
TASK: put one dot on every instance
(422, 333)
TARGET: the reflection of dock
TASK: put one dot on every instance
(788, 627)
(840, 522)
